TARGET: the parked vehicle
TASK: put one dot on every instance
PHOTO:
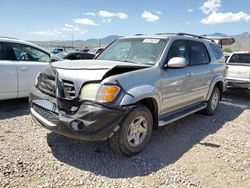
(56, 50)
(96, 50)
(20, 62)
(238, 75)
(136, 84)
(76, 55)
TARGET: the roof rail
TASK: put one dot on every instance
(165, 33)
(7, 37)
(196, 36)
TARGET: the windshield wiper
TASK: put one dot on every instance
(137, 63)
(126, 61)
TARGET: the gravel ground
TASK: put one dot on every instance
(197, 151)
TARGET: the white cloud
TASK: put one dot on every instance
(158, 12)
(84, 21)
(122, 15)
(190, 10)
(210, 6)
(219, 18)
(187, 23)
(107, 20)
(90, 14)
(48, 32)
(68, 27)
(148, 16)
(106, 14)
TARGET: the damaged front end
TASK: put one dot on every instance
(56, 106)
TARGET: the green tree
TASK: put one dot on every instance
(229, 50)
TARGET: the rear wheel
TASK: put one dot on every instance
(213, 102)
(134, 133)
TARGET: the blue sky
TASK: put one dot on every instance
(59, 20)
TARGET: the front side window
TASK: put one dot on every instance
(179, 48)
(137, 50)
(240, 58)
(28, 53)
(3, 52)
(198, 53)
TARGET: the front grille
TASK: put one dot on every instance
(47, 85)
(69, 88)
(47, 114)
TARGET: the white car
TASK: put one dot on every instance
(238, 75)
(20, 62)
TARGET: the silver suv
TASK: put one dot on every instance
(135, 85)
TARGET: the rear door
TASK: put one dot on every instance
(30, 61)
(202, 70)
(8, 74)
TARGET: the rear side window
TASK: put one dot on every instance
(240, 58)
(3, 52)
(217, 51)
(198, 53)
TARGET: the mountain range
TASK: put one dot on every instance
(242, 42)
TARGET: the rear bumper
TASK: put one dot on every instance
(238, 83)
(90, 121)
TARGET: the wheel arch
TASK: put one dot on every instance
(217, 82)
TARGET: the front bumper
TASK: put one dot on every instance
(238, 83)
(90, 121)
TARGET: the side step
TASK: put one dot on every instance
(173, 116)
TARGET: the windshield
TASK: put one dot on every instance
(240, 58)
(138, 50)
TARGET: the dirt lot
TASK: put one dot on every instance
(197, 151)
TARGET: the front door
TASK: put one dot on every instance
(30, 61)
(8, 74)
(177, 84)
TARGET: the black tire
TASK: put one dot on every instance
(119, 141)
(210, 110)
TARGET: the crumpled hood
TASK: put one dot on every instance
(82, 71)
(91, 64)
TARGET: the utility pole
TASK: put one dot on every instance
(72, 37)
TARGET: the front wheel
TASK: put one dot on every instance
(213, 102)
(134, 133)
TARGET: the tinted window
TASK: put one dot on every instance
(198, 53)
(240, 58)
(3, 52)
(87, 56)
(179, 48)
(28, 53)
(217, 51)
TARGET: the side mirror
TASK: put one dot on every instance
(176, 62)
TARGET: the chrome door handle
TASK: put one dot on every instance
(189, 74)
(23, 69)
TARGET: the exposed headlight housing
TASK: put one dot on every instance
(99, 93)
(89, 91)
